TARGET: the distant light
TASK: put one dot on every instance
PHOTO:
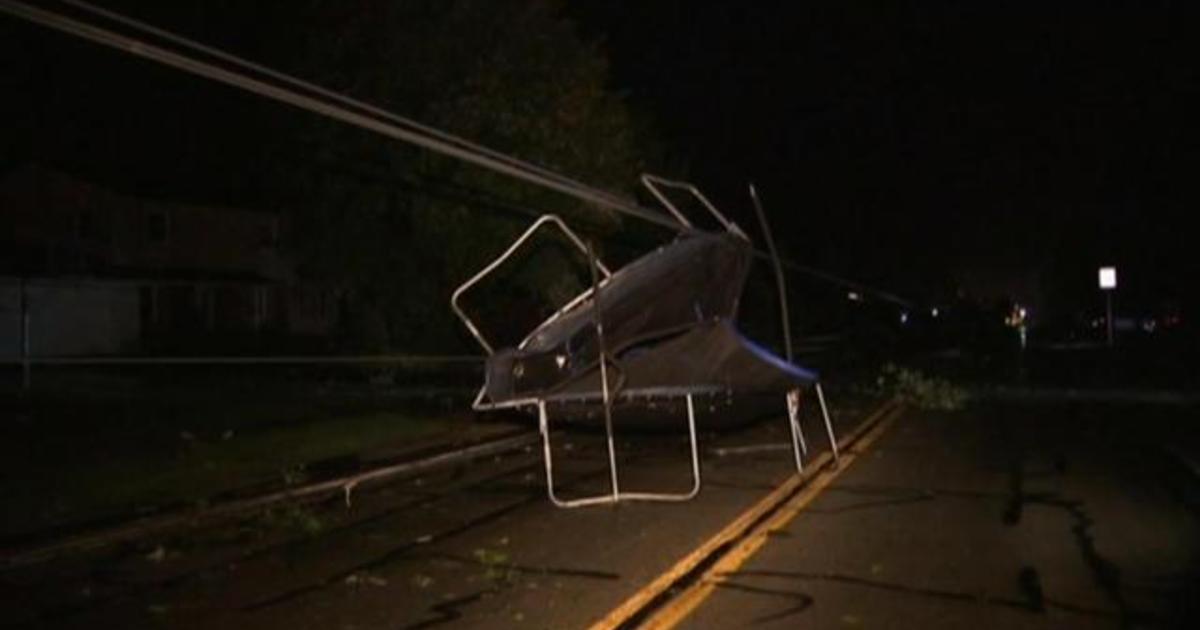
(1016, 317)
(1108, 278)
(933, 311)
(903, 318)
(854, 296)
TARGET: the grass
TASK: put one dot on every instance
(71, 458)
(205, 468)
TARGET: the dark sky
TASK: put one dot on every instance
(905, 144)
(906, 147)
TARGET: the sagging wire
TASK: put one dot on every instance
(353, 112)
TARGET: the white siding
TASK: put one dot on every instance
(71, 319)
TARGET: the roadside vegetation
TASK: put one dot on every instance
(919, 389)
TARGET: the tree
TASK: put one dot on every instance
(393, 227)
(512, 76)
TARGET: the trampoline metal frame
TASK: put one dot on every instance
(615, 494)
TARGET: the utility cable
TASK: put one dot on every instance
(367, 117)
(327, 93)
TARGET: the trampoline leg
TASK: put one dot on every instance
(615, 496)
(828, 423)
(691, 407)
(799, 448)
(695, 448)
(608, 429)
(544, 427)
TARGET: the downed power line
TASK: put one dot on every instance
(340, 107)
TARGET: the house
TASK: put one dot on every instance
(103, 272)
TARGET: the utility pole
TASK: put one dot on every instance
(1108, 317)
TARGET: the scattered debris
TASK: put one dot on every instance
(496, 564)
(295, 517)
(914, 387)
(356, 579)
(294, 475)
(750, 449)
(158, 555)
(422, 581)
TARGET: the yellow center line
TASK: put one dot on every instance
(687, 601)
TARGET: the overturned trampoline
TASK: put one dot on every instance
(652, 337)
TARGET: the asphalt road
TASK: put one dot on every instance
(1038, 516)
(1048, 516)
(477, 546)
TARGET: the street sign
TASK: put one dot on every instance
(1108, 284)
(1108, 278)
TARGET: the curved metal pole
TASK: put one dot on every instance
(652, 182)
(779, 281)
(473, 280)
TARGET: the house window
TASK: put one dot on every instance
(85, 225)
(268, 233)
(158, 227)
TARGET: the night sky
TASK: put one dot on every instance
(1007, 151)
(930, 147)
